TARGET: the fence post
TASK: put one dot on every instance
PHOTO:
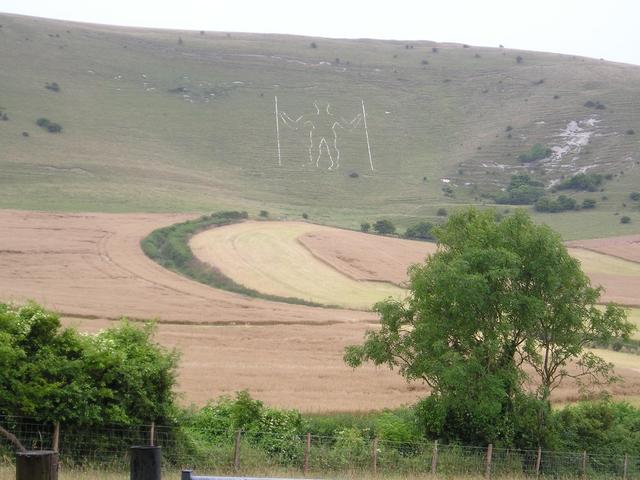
(538, 461)
(374, 456)
(236, 453)
(434, 458)
(55, 443)
(584, 465)
(487, 473)
(146, 463)
(625, 467)
(37, 465)
(307, 452)
(152, 434)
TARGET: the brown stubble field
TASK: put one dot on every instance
(90, 268)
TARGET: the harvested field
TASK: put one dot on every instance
(268, 257)
(626, 247)
(620, 278)
(90, 268)
(367, 257)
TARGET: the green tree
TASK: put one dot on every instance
(54, 374)
(496, 298)
(365, 227)
(421, 230)
(384, 227)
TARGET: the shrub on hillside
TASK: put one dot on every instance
(354, 175)
(631, 131)
(588, 203)
(537, 152)
(48, 125)
(421, 231)
(560, 204)
(384, 227)
(313, 45)
(582, 181)
(442, 212)
(54, 87)
(305, 216)
(635, 196)
(264, 213)
(522, 190)
(365, 227)
(625, 219)
(595, 104)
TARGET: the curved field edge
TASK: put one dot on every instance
(169, 247)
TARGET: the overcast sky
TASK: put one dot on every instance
(601, 29)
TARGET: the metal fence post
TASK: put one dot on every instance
(236, 453)
(434, 458)
(487, 472)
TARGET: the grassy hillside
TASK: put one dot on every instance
(184, 121)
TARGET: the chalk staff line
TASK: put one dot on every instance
(278, 132)
(366, 132)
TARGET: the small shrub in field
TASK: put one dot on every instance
(560, 204)
(264, 214)
(537, 152)
(354, 175)
(509, 128)
(588, 203)
(519, 59)
(25, 134)
(53, 86)
(625, 219)
(425, 62)
(434, 49)
(384, 227)
(595, 104)
(4, 117)
(314, 45)
(365, 227)
(305, 216)
(631, 131)
(635, 196)
(48, 125)
(582, 181)
(442, 212)
(420, 231)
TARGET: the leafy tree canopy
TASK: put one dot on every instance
(498, 297)
(59, 375)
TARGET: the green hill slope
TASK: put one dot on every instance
(185, 121)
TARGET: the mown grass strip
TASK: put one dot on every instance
(169, 246)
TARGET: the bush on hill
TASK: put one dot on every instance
(420, 231)
(537, 152)
(582, 181)
(522, 190)
(54, 87)
(384, 227)
(365, 227)
(560, 204)
(589, 203)
(48, 125)
(635, 196)
(625, 219)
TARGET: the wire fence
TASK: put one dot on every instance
(269, 454)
